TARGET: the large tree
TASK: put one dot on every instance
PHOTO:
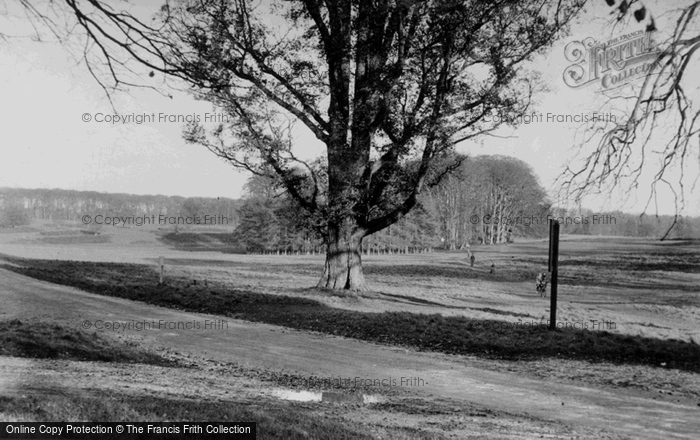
(383, 84)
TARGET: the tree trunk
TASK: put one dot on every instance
(343, 268)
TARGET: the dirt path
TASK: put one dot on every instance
(426, 374)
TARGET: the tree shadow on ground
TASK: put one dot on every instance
(411, 300)
(523, 340)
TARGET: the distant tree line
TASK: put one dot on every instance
(20, 206)
(623, 224)
(486, 200)
(450, 215)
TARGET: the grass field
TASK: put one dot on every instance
(525, 340)
(628, 315)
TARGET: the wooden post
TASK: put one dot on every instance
(160, 262)
(554, 270)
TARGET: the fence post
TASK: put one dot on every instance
(160, 263)
(554, 270)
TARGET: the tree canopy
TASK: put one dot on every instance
(382, 84)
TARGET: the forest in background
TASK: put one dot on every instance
(487, 200)
(21, 206)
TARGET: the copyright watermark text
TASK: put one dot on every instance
(120, 326)
(154, 118)
(529, 220)
(354, 382)
(160, 220)
(590, 325)
(549, 118)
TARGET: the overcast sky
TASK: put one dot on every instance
(44, 94)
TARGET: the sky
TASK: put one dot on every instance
(45, 94)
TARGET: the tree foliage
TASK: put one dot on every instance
(486, 199)
(271, 222)
(380, 83)
(490, 199)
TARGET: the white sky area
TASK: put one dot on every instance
(44, 92)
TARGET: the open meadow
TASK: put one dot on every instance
(472, 340)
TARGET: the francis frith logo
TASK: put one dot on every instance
(610, 64)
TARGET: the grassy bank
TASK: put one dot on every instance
(51, 341)
(274, 421)
(455, 335)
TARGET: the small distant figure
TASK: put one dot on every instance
(493, 268)
(541, 283)
(472, 259)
